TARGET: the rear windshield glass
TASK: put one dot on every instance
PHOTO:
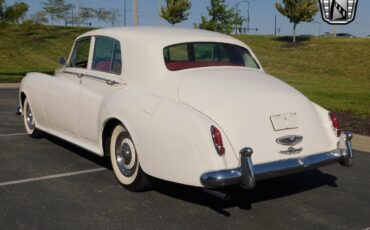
(205, 54)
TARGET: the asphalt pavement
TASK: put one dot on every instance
(50, 184)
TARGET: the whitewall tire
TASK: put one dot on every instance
(29, 121)
(125, 162)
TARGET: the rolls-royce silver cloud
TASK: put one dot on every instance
(183, 105)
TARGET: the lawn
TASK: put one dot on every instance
(35, 51)
(333, 72)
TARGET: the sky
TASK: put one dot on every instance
(262, 14)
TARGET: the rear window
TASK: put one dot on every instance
(205, 54)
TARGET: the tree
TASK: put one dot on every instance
(102, 15)
(85, 14)
(16, 12)
(298, 11)
(223, 19)
(54, 8)
(176, 11)
(2, 9)
(65, 13)
(114, 15)
(39, 18)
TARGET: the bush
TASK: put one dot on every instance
(27, 26)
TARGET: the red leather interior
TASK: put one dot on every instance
(103, 65)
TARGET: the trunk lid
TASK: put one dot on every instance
(253, 110)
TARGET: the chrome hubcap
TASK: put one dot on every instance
(29, 118)
(125, 155)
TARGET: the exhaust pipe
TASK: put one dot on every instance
(218, 194)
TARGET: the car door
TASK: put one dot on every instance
(64, 89)
(103, 78)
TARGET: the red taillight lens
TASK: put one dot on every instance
(335, 123)
(217, 140)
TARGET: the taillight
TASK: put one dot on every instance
(335, 123)
(217, 140)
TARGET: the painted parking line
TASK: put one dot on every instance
(50, 177)
(12, 134)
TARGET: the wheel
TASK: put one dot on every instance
(29, 121)
(125, 162)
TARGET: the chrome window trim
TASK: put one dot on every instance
(100, 79)
(75, 47)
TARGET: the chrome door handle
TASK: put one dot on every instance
(111, 83)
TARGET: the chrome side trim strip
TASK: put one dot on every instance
(101, 79)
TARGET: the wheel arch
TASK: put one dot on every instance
(107, 130)
(22, 98)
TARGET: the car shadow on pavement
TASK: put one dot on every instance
(102, 161)
(244, 199)
(265, 190)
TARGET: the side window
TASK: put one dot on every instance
(80, 55)
(176, 53)
(117, 59)
(107, 55)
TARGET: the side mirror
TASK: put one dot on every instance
(62, 60)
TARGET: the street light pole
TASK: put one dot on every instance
(136, 14)
(237, 15)
(275, 25)
(125, 12)
(248, 18)
(248, 12)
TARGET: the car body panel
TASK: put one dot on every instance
(169, 114)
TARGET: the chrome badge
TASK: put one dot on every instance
(338, 12)
(290, 140)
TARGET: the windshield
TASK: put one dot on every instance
(205, 54)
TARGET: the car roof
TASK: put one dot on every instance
(163, 36)
(142, 48)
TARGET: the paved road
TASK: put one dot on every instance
(76, 198)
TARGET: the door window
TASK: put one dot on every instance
(107, 55)
(80, 56)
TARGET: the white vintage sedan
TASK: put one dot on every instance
(183, 105)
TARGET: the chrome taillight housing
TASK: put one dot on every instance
(217, 140)
(335, 123)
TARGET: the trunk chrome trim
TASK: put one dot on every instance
(248, 173)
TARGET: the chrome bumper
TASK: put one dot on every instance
(248, 173)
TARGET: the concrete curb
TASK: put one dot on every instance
(359, 142)
(10, 85)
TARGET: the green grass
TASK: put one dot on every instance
(36, 51)
(332, 72)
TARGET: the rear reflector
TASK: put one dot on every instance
(217, 140)
(335, 123)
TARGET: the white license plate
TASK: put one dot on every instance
(284, 121)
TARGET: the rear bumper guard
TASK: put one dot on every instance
(247, 174)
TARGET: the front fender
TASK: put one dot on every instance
(34, 86)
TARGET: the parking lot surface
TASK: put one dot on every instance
(50, 184)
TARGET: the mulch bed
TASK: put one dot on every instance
(355, 123)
